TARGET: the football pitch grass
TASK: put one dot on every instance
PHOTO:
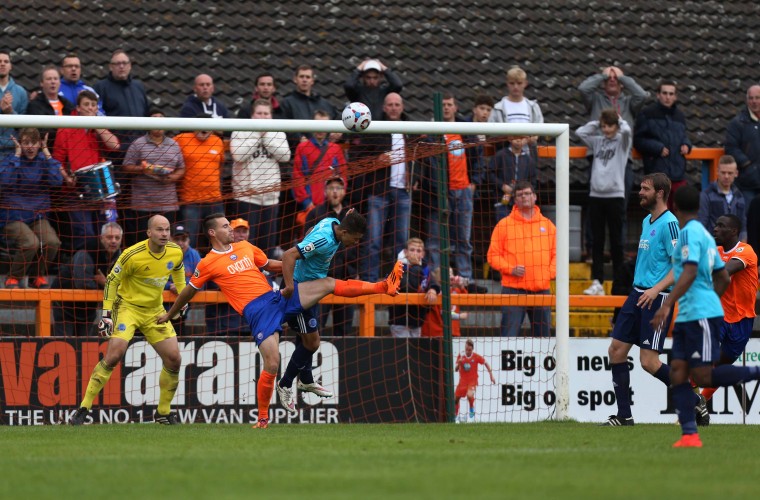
(541, 460)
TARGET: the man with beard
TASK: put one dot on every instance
(87, 271)
(652, 281)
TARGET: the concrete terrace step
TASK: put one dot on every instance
(590, 332)
(587, 320)
(578, 286)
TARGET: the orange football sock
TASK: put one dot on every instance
(356, 288)
(264, 390)
(708, 392)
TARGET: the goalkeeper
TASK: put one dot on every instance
(133, 299)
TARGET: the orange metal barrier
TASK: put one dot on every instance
(708, 156)
(366, 304)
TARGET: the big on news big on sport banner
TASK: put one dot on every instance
(42, 379)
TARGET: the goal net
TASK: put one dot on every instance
(481, 263)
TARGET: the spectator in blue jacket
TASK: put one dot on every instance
(13, 101)
(122, 95)
(25, 177)
(722, 197)
(743, 143)
(71, 80)
(661, 138)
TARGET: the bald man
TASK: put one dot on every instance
(132, 300)
(743, 143)
(202, 100)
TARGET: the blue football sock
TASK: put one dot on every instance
(297, 361)
(663, 374)
(728, 375)
(621, 381)
(305, 375)
(683, 397)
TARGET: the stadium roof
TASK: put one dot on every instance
(710, 48)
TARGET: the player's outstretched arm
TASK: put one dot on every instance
(273, 266)
(183, 298)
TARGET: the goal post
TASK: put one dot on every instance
(559, 133)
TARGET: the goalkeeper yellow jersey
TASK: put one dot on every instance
(139, 276)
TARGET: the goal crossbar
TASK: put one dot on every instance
(561, 133)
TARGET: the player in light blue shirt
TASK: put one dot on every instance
(317, 250)
(701, 278)
(309, 260)
(697, 247)
(651, 281)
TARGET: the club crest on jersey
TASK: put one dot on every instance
(170, 265)
(233, 257)
(308, 248)
(652, 232)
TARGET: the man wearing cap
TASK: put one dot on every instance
(190, 259)
(344, 262)
(241, 229)
(190, 256)
(365, 84)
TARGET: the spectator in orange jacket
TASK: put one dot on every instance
(523, 249)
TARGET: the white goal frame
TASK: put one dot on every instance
(561, 133)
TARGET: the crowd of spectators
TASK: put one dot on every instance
(183, 176)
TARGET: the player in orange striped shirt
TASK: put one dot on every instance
(236, 269)
(738, 300)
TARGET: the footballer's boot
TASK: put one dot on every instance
(688, 441)
(287, 399)
(263, 423)
(393, 281)
(314, 388)
(701, 414)
(170, 419)
(80, 416)
(615, 421)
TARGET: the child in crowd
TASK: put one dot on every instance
(316, 160)
(609, 140)
(406, 320)
(507, 167)
(433, 325)
(25, 179)
(514, 107)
